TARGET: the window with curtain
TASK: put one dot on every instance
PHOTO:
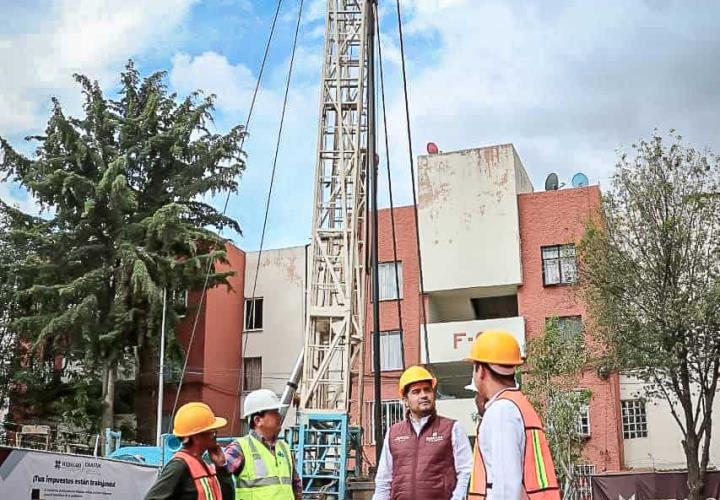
(388, 285)
(390, 351)
(252, 374)
(559, 265)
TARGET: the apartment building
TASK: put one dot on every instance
(495, 254)
(274, 318)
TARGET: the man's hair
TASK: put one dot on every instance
(252, 418)
(508, 380)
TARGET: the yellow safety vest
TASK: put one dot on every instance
(264, 476)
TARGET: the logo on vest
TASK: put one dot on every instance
(434, 438)
(401, 439)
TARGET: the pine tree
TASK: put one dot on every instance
(122, 188)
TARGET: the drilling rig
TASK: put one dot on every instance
(333, 353)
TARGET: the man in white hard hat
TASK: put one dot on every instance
(479, 400)
(263, 464)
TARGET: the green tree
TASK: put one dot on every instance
(649, 272)
(556, 361)
(8, 340)
(123, 188)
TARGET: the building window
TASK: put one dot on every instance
(582, 487)
(253, 314)
(570, 327)
(584, 421)
(559, 265)
(388, 285)
(393, 411)
(391, 355)
(634, 419)
(252, 374)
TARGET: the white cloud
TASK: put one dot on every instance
(94, 37)
(213, 73)
(233, 84)
(315, 11)
(566, 82)
(25, 203)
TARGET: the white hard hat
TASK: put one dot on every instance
(471, 386)
(261, 400)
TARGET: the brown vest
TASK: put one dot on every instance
(423, 466)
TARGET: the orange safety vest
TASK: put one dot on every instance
(203, 475)
(539, 480)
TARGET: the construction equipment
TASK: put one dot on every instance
(333, 349)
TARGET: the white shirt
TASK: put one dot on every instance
(462, 454)
(502, 444)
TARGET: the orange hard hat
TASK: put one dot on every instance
(495, 347)
(415, 374)
(196, 418)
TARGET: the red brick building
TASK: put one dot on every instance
(495, 254)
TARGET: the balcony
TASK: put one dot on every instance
(450, 342)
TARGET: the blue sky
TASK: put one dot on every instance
(567, 82)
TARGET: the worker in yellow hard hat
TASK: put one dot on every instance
(425, 456)
(187, 476)
(511, 459)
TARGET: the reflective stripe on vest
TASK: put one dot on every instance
(538, 470)
(478, 477)
(264, 476)
(203, 475)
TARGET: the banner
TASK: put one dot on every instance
(41, 475)
(651, 486)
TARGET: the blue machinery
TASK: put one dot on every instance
(325, 447)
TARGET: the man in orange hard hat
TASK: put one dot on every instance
(186, 476)
(425, 456)
(511, 458)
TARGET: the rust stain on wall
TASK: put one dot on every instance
(287, 264)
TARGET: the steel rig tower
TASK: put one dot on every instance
(333, 350)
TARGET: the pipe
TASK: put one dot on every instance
(372, 172)
(292, 384)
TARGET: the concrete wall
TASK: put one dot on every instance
(662, 448)
(281, 284)
(468, 217)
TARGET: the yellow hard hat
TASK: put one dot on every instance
(196, 418)
(495, 347)
(415, 374)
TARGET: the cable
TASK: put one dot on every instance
(412, 176)
(270, 190)
(390, 193)
(227, 200)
